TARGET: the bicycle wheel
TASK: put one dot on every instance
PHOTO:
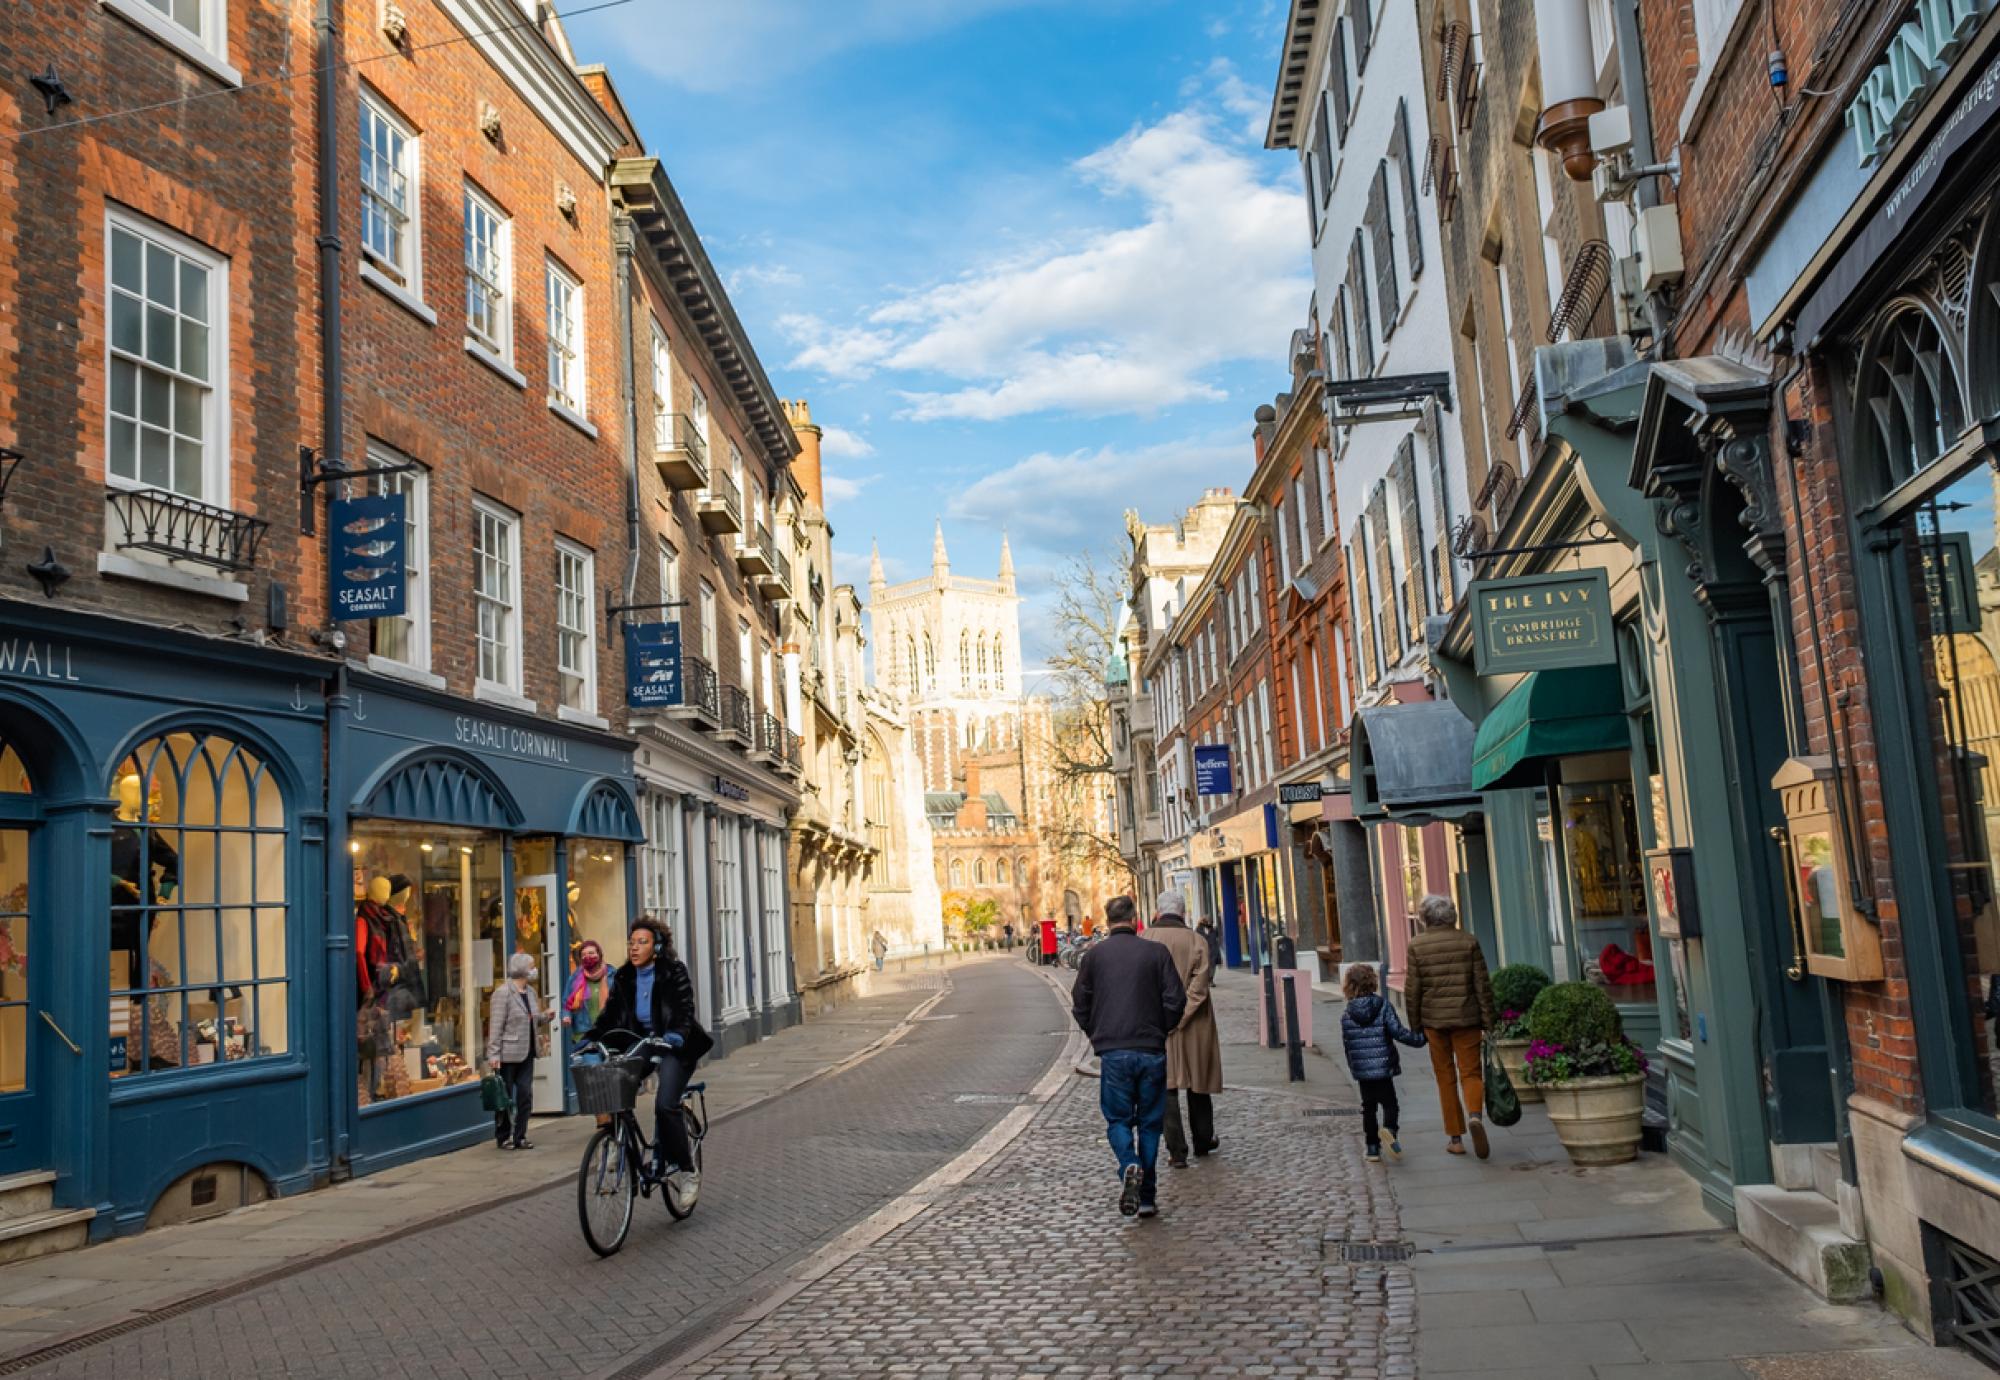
(678, 1204)
(605, 1187)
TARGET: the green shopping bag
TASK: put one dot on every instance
(1503, 1104)
(495, 1096)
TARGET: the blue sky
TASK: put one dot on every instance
(1028, 259)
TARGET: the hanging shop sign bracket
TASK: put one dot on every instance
(1351, 402)
(1596, 534)
(314, 471)
(611, 611)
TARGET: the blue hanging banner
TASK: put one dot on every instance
(1211, 770)
(652, 665)
(369, 555)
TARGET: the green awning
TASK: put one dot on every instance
(1556, 713)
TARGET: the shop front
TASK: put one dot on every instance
(1621, 661)
(1898, 324)
(160, 918)
(717, 874)
(472, 834)
(1242, 882)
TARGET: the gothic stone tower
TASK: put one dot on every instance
(949, 647)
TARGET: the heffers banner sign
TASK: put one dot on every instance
(369, 556)
(652, 665)
(1539, 622)
(1211, 770)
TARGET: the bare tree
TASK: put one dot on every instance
(1090, 602)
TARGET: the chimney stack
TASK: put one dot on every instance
(805, 467)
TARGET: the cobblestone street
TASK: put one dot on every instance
(1029, 1271)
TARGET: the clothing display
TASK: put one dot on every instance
(132, 896)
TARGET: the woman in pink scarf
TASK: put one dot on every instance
(589, 987)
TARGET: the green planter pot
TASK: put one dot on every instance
(1513, 1057)
(1598, 1119)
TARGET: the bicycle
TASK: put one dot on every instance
(617, 1163)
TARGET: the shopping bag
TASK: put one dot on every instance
(1503, 1104)
(495, 1096)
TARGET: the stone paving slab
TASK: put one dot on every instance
(118, 1281)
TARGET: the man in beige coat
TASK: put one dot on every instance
(1194, 1049)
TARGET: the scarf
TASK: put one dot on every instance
(587, 992)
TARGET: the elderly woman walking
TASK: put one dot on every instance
(515, 1033)
(1450, 999)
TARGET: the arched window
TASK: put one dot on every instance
(979, 872)
(964, 661)
(198, 905)
(1910, 395)
(930, 664)
(999, 665)
(1021, 869)
(910, 656)
(982, 664)
(957, 872)
(1000, 872)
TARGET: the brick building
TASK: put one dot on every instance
(1837, 299)
(412, 323)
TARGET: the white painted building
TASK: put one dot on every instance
(1350, 100)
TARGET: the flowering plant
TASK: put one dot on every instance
(1512, 1025)
(1550, 1062)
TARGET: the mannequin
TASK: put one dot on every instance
(137, 848)
(400, 887)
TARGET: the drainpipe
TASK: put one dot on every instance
(338, 934)
(1638, 99)
(621, 244)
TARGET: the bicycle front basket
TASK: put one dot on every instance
(602, 1089)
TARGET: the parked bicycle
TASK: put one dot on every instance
(617, 1167)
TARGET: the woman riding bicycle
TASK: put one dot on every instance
(652, 995)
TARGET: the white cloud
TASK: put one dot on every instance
(840, 352)
(1064, 503)
(715, 47)
(765, 275)
(844, 488)
(1128, 319)
(838, 443)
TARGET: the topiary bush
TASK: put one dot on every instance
(1515, 988)
(1574, 1014)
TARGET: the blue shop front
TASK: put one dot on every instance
(472, 833)
(162, 908)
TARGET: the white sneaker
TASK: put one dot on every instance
(684, 1187)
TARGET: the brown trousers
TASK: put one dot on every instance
(1455, 1061)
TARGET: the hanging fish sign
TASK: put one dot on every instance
(369, 557)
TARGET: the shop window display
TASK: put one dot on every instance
(430, 916)
(1607, 887)
(596, 899)
(14, 1011)
(198, 912)
(1953, 638)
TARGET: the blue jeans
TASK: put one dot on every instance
(1132, 1091)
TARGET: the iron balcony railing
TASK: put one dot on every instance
(701, 688)
(679, 450)
(736, 711)
(782, 564)
(186, 529)
(771, 735)
(720, 505)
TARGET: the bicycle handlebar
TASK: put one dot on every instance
(645, 1043)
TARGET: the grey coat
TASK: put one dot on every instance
(510, 1031)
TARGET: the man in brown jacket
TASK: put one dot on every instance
(1194, 1049)
(1451, 1000)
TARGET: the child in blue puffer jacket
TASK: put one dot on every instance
(1370, 1030)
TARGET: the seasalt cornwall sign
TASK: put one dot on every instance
(1536, 622)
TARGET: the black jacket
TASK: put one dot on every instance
(1128, 994)
(1370, 1030)
(673, 1008)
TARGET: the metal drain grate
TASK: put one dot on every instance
(1375, 1252)
(1974, 1285)
(1333, 1111)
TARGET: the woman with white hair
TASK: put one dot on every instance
(1450, 999)
(516, 1031)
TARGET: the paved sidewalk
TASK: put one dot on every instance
(53, 1298)
(1524, 1265)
